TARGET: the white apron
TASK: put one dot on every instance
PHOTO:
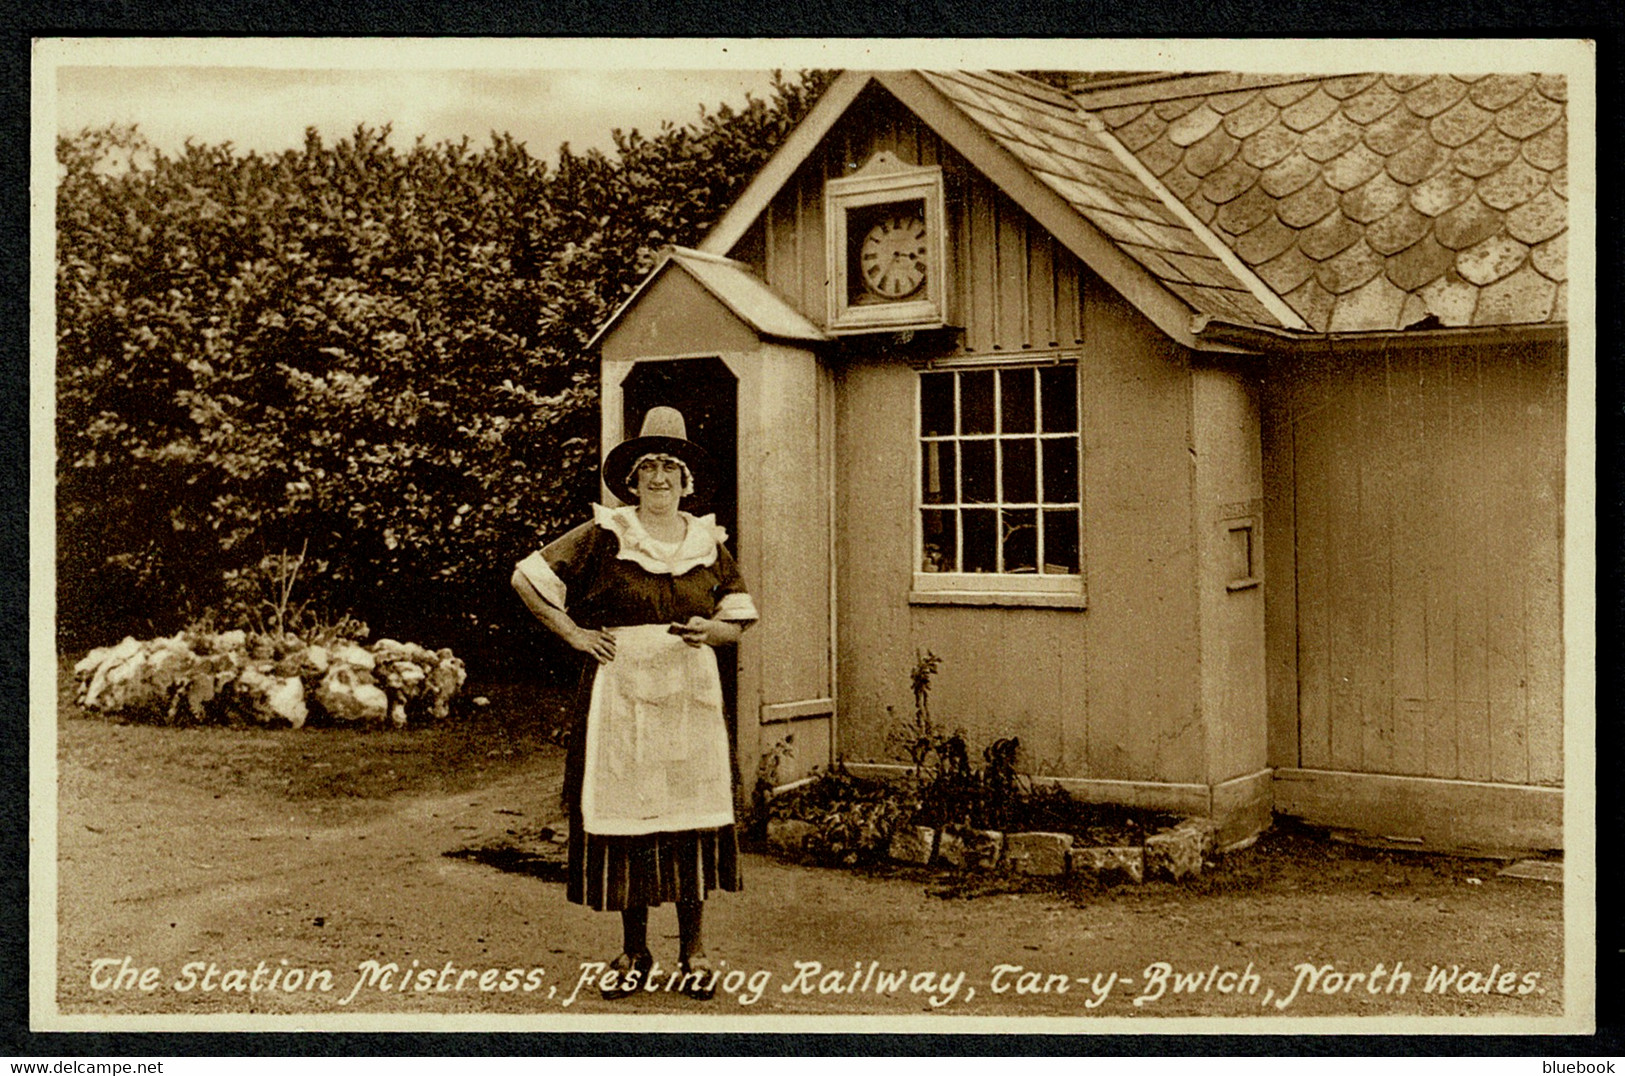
(657, 749)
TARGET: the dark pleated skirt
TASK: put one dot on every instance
(611, 874)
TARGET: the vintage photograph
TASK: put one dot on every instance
(779, 536)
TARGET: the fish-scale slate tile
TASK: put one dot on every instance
(1181, 182)
(1418, 264)
(1553, 87)
(1495, 258)
(1528, 116)
(1172, 110)
(1202, 208)
(1460, 124)
(1435, 96)
(1538, 219)
(1349, 269)
(1212, 152)
(1287, 270)
(1513, 185)
(1289, 175)
(1251, 117)
(1417, 161)
(1288, 93)
(1468, 224)
(1312, 302)
(1332, 234)
(1309, 203)
(1442, 192)
(1523, 296)
(1372, 103)
(1310, 111)
(1490, 151)
(1495, 92)
(1559, 181)
(1265, 241)
(1246, 211)
(1395, 130)
(1551, 258)
(1406, 83)
(1352, 168)
(1331, 138)
(1121, 115)
(1233, 101)
(1450, 299)
(1193, 126)
(1413, 311)
(1143, 130)
(1230, 181)
(1398, 230)
(1376, 303)
(1374, 199)
(1550, 148)
(1348, 85)
(1269, 146)
(1161, 155)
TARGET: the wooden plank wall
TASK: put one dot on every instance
(1014, 288)
(1424, 491)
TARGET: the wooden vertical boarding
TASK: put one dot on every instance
(1010, 331)
(1472, 598)
(810, 193)
(1437, 539)
(1040, 289)
(1508, 504)
(1544, 390)
(1311, 454)
(1374, 657)
(1280, 572)
(980, 267)
(1408, 553)
(1068, 299)
(1344, 660)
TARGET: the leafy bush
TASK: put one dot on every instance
(372, 353)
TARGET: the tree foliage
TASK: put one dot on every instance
(374, 353)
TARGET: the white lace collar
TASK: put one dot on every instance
(698, 548)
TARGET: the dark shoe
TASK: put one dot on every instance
(624, 966)
(698, 978)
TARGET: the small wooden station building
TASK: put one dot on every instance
(1209, 429)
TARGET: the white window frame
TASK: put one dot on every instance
(993, 588)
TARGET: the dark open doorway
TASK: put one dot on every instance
(707, 393)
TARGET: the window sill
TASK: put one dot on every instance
(1036, 599)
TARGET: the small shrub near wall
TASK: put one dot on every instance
(199, 676)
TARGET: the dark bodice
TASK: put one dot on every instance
(603, 591)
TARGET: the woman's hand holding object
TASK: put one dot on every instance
(600, 644)
(702, 632)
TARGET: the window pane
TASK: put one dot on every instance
(980, 524)
(1020, 477)
(1016, 404)
(937, 472)
(976, 483)
(976, 402)
(1020, 540)
(1061, 542)
(1061, 470)
(936, 404)
(940, 552)
(1059, 387)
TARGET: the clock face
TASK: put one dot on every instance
(893, 256)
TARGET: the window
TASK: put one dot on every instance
(999, 492)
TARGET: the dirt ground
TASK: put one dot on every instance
(301, 856)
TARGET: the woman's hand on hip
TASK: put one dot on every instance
(599, 644)
(702, 632)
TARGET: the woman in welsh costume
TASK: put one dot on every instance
(648, 592)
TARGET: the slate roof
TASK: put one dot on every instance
(1074, 156)
(735, 286)
(1369, 202)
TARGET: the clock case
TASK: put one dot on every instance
(883, 187)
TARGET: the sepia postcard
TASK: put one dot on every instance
(1134, 568)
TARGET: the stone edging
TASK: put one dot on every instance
(1174, 853)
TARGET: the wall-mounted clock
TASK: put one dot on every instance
(887, 248)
